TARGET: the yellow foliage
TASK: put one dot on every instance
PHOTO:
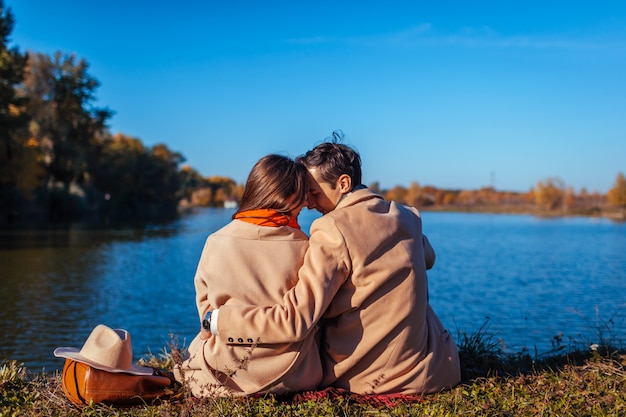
(121, 141)
(549, 194)
(32, 143)
(617, 195)
(14, 110)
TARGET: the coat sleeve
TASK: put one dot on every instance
(429, 253)
(202, 302)
(326, 267)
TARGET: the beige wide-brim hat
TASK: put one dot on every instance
(106, 349)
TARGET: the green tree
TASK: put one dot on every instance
(12, 65)
(617, 195)
(165, 178)
(133, 180)
(18, 169)
(222, 189)
(63, 119)
(114, 162)
(190, 180)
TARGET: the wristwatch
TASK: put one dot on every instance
(206, 323)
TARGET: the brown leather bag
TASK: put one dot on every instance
(84, 384)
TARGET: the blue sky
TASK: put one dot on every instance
(449, 94)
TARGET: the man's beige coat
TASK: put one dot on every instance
(245, 264)
(364, 279)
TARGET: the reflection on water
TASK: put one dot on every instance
(59, 284)
(534, 278)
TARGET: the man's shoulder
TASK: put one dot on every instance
(404, 208)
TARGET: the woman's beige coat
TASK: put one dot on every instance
(364, 276)
(244, 264)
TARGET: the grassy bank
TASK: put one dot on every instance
(580, 382)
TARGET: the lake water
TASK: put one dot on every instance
(527, 279)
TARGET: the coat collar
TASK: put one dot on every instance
(357, 196)
(245, 230)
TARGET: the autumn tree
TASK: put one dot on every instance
(413, 195)
(569, 198)
(466, 198)
(238, 192)
(446, 197)
(617, 195)
(397, 193)
(549, 194)
(202, 197)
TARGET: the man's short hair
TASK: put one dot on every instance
(332, 159)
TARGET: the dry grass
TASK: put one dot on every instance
(578, 383)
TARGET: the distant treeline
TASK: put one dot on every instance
(59, 161)
(548, 197)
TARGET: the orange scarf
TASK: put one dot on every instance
(267, 217)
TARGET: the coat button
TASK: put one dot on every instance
(231, 340)
(250, 340)
(240, 340)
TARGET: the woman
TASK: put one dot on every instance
(246, 262)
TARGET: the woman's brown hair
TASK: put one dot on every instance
(275, 182)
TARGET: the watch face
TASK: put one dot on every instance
(206, 323)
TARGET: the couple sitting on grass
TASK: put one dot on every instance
(346, 308)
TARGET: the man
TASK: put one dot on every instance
(364, 280)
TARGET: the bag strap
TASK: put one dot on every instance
(76, 384)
